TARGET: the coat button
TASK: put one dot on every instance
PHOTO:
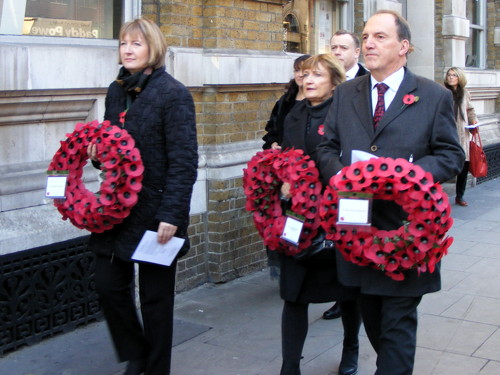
(374, 148)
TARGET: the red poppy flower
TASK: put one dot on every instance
(321, 129)
(409, 99)
(134, 169)
(371, 168)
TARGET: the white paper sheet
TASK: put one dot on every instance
(358, 155)
(149, 250)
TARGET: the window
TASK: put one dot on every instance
(291, 30)
(63, 18)
(476, 44)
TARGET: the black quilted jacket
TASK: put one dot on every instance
(162, 122)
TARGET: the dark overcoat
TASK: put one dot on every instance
(274, 126)
(423, 131)
(313, 280)
(162, 122)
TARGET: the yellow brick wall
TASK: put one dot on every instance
(236, 24)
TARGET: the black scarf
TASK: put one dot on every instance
(133, 84)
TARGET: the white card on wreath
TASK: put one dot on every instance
(292, 230)
(56, 187)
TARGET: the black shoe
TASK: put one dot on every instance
(349, 362)
(135, 367)
(332, 313)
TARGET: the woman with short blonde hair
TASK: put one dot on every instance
(158, 112)
(455, 80)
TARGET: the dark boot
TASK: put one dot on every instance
(290, 368)
(332, 313)
(135, 367)
(351, 320)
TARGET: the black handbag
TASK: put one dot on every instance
(321, 248)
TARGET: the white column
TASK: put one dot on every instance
(421, 20)
(455, 32)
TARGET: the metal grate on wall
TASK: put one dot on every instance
(493, 157)
(46, 290)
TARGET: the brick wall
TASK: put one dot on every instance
(235, 24)
(234, 113)
(234, 247)
(192, 270)
(224, 242)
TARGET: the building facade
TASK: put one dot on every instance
(58, 57)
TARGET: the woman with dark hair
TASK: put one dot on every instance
(313, 280)
(293, 95)
(456, 81)
(159, 114)
(274, 131)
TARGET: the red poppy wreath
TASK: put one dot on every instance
(262, 182)
(121, 167)
(418, 244)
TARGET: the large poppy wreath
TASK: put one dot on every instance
(418, 244)
(262, 182)
(122, 169)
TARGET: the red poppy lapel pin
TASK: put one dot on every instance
(409, 99)
(321, 129)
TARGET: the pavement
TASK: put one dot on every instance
(234, 328)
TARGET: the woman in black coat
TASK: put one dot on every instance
(274, 131)
(160, 116)
(313, 280)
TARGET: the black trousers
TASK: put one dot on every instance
(151, 340)
(462, 181)
(391, 326)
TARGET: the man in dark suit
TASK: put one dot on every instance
(345, 46)
(423, 132)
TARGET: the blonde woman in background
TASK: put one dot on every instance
(464, 114)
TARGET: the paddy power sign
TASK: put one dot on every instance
(56, 27)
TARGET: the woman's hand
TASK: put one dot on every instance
(275, 146)
(285, 190)
(165, 232)
(92, 151)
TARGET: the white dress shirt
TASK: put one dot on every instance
(393, 81)
(351, 73)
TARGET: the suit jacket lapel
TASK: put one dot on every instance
(363, 105)
(397, 106)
